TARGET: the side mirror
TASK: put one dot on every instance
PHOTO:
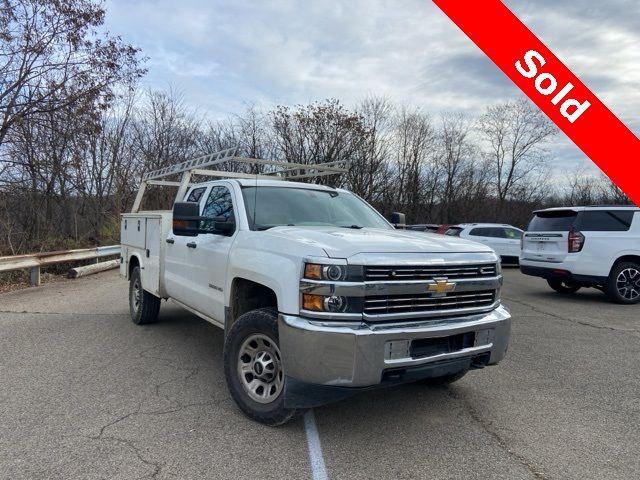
(398, 220)
(186, 219)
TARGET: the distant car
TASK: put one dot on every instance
(424, 227)
(577, 247)
(503, 239)
(442, 229)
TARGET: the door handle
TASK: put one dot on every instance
(170, 241)
(192, 244)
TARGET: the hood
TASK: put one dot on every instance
(345, 242)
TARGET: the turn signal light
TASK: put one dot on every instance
(314, 303)
(313, 271)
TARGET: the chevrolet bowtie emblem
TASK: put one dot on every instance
(441, 287)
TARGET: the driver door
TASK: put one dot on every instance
(208, 258)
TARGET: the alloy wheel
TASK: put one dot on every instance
(628, 283)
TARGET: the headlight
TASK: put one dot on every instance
(333, 273)
(331, 303)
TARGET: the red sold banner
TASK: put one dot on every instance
(552, 87)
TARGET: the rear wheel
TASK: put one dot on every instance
(623, 285)
(561, 286)
(143, 306)
(253, 368)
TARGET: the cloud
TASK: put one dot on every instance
(225, 55)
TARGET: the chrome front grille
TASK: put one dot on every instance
(386, 304)
(429, 272)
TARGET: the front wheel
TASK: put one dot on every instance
(563, 287)
(143, 306)
(253, 368)
(623, 285)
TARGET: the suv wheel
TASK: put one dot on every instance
(563, 287)
(623, 285)
(253, 368)
(143, 306)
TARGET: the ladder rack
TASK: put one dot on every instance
(198, 166)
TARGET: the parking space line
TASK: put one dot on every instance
(318, 468)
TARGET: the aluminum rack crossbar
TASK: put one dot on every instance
(200, 162)
(197, 166)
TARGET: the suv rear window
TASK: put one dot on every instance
(606, 220)
(553, 221)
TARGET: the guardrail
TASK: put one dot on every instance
(36, 260)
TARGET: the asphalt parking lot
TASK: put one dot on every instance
(85, 394)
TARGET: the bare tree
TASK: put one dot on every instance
(368, 175)
(166, 131)
(318, 133)
(455, 163)
(52, 57)
(415, 138)
(515, 133)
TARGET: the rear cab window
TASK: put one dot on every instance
(196, 194)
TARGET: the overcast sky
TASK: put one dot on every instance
(224, 55)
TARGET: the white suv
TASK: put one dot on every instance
(576, 247)
(501, 238)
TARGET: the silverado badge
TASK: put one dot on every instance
(441, 287)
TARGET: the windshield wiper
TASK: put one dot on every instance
(355, 227)
(262, 228)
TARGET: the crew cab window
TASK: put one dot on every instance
(219, 203)
(606, 221)
(196, 194)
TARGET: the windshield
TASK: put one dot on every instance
(280, 206)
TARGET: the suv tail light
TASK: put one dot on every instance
(576, 241)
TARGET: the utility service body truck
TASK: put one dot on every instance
(319, 296)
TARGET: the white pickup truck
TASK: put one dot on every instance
(319, 296)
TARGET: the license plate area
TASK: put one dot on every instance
(428, 347)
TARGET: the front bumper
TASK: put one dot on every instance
(358, 355)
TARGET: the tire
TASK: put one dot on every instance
(143, 306)
(444, 380)
(253, 368)
(623, 284)
(563, 287)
